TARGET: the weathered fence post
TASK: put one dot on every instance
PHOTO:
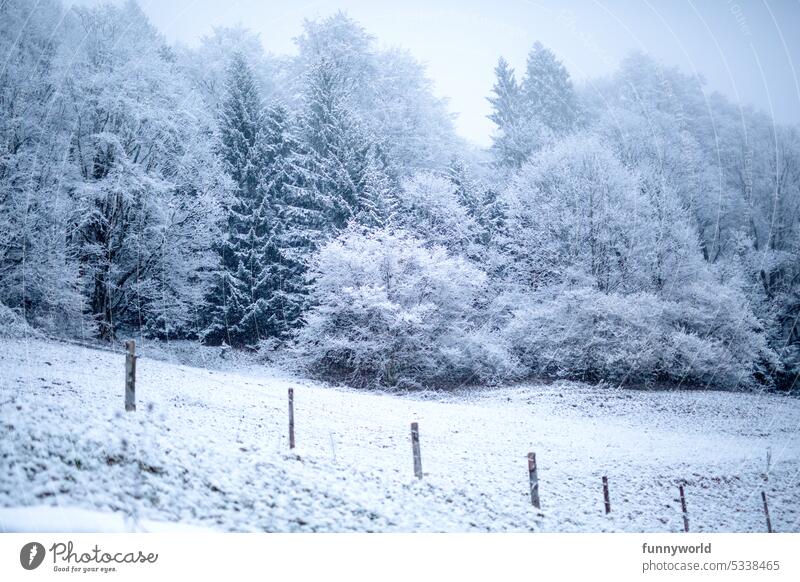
(606, 498)
(766, 512)
(769, 462)
(130, 376)
(683, 509)
(533, 476)
(291, 418)
(415, 450)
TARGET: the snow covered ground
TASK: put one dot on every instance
(209, 449)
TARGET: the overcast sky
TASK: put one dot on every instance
(747, 49)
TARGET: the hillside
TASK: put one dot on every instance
(209, 448)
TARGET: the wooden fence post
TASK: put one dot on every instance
(533, 476)
(130, 376)
(606, 498)
(769, 462)
(766, 512)
(415, 450)
(291, 418)
(683, 509)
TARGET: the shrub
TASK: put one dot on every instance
(704, 338)
(391, 311)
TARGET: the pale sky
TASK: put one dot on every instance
(747, 49)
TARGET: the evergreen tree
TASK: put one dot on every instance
(547, 91)
(282, 282)
(506, 96)
(519, 132)
(377, 191)
(238, 307)
(340, 174)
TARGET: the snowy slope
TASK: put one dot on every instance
(209, 448)
(59, 519)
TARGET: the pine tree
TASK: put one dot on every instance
(341, 175)
(282, 283)
(238, 313)
(506, 96)
(519, 133)
(547, 91)
(506, 114)
(377, 191)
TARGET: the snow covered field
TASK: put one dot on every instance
(209, 449)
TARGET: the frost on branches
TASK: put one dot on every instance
(630, 230)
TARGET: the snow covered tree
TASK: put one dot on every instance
(282, 285)
(507, 99)
(206, 67)
(386, 93)
(428, 205)
(518, 133)
(238, 313)
(547, 91)
(391, 310)
(139, 196)
(576, 212)
(609, 282)
(38, 269)
(341, 174)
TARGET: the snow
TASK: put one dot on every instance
(209, 449)
(50, 519)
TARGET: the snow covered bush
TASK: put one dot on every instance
(13, 324)
(575, 209)
(429, 207)
(391, 311)
(705, 338)
(588, 335)
(734, 342)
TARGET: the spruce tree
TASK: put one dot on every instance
(505, 97)
(282, 283)
(547, 91)
(519, 132)
(341, 175)
(238, 310)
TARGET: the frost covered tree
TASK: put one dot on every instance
(141, 178)
(547, 91)
(575, 212)
(282, 281)
(238, 309)
(387, 93)
(729, 167)
(531, 113)
(206, 67)
(340, 173)
(428, 205)
(506, 99)
(518, 134)
(391, 310)
(609, 281)
(38, 269)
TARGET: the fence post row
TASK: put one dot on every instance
(130, 376)
(415, 450)
(533, 475)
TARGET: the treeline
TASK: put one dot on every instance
(637, 230)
